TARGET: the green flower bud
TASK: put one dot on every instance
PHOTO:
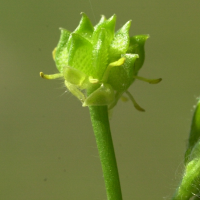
(99, 60)
(194, 133)
(190, 183)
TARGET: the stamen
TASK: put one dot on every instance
(117, 63)
(124, 99)
(50, 76)
(134, 102)
(151, 81)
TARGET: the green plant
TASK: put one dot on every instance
(98, 66)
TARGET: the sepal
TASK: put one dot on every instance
(100, 54)
(60, 53)
(85, 28)
(104, 95)
(108, 25)
(121, 77)
(137, 47)
(79, 53)
(120, 43)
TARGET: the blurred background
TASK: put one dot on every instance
(47, 146)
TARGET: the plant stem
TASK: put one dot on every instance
(101, 127)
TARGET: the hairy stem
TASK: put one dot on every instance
(101, 127)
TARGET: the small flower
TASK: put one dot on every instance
(97, 64)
